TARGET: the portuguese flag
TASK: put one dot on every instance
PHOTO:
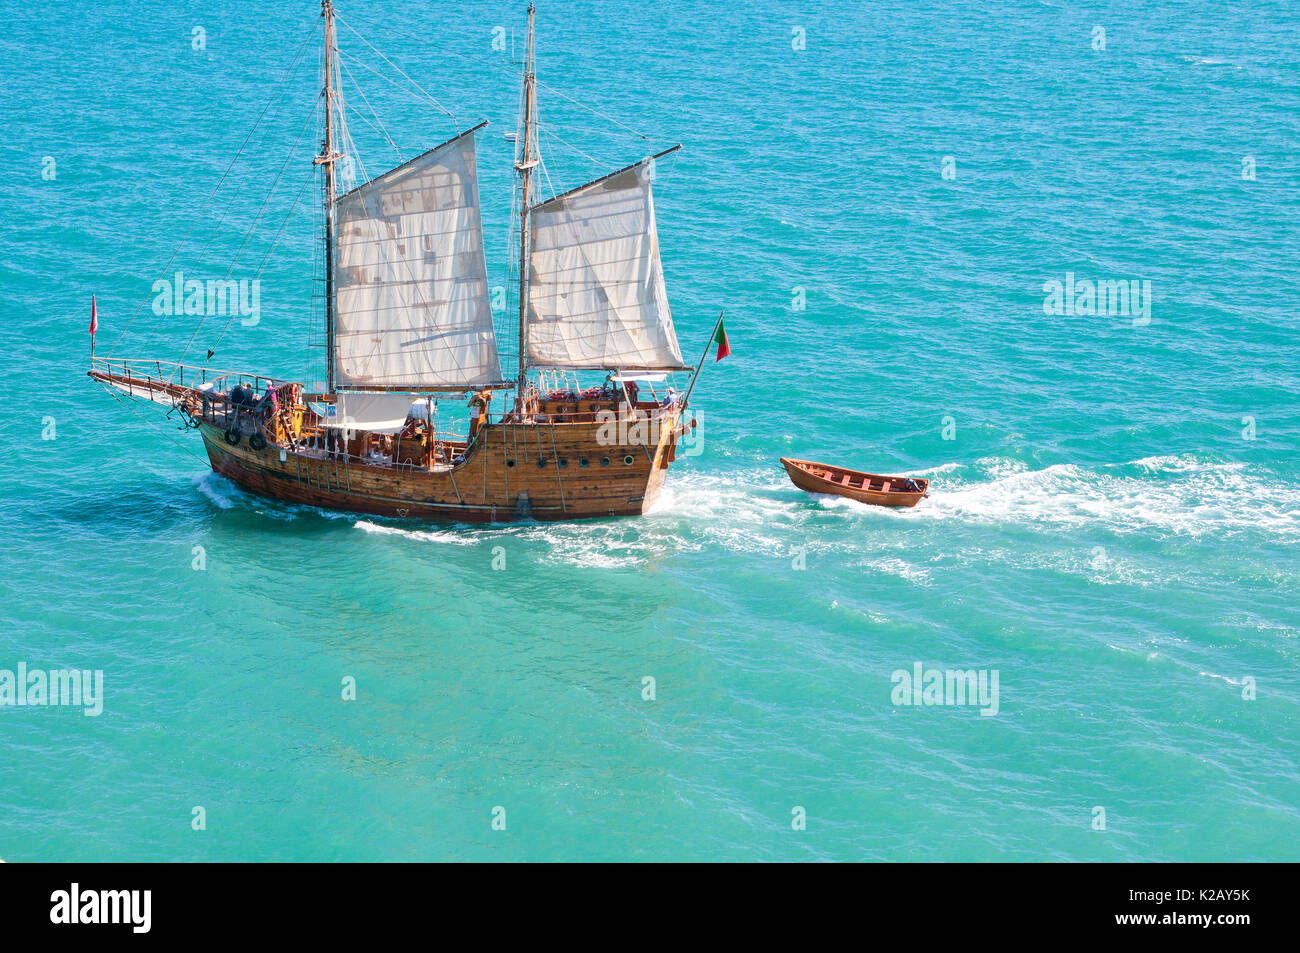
(720, 339)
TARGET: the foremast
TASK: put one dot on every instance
(527, 162)
(328, 156)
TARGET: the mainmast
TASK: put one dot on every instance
(527, 160)
(328, 156)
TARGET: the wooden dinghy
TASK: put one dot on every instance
(856, 485)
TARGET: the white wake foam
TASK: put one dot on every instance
(451, 537)
(759, 513)
(1178, 495)
(218, 489)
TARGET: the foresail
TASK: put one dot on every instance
(411, 293)
(596, 296)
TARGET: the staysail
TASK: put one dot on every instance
(596, 295)
(411, 293)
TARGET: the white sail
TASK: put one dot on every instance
(411, 292)
(596, 296)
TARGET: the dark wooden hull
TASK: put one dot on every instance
(513, 471)
(870, 488)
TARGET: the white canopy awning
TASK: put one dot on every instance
(652, 377)
(377, 413)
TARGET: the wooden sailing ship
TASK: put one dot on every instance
(408, 318)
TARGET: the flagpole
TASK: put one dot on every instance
(700, 365)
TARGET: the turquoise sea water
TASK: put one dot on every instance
(1112, 528)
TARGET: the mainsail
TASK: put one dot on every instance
(411, 293)
(596, 296)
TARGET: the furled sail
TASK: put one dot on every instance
(411, 292)
(596, 296)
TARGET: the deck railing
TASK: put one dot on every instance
(172, 374)
(205, 393)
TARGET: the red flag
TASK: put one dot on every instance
(724, 349)
(94, 318)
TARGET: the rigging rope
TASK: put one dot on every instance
(130, 405)
(382, 129)
(421, 89)
(594, 161)
(592, 109)
(249, 234)
(346, 137)
(518, 75)
(274, 98)
(283, 225)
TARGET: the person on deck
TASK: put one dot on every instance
(481, 401)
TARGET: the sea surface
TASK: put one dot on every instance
(880, 196)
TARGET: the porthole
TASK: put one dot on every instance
(541, 463)
(628, 459)
(562, 463)
(510, 463)
(584, 462)
(604, 461)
